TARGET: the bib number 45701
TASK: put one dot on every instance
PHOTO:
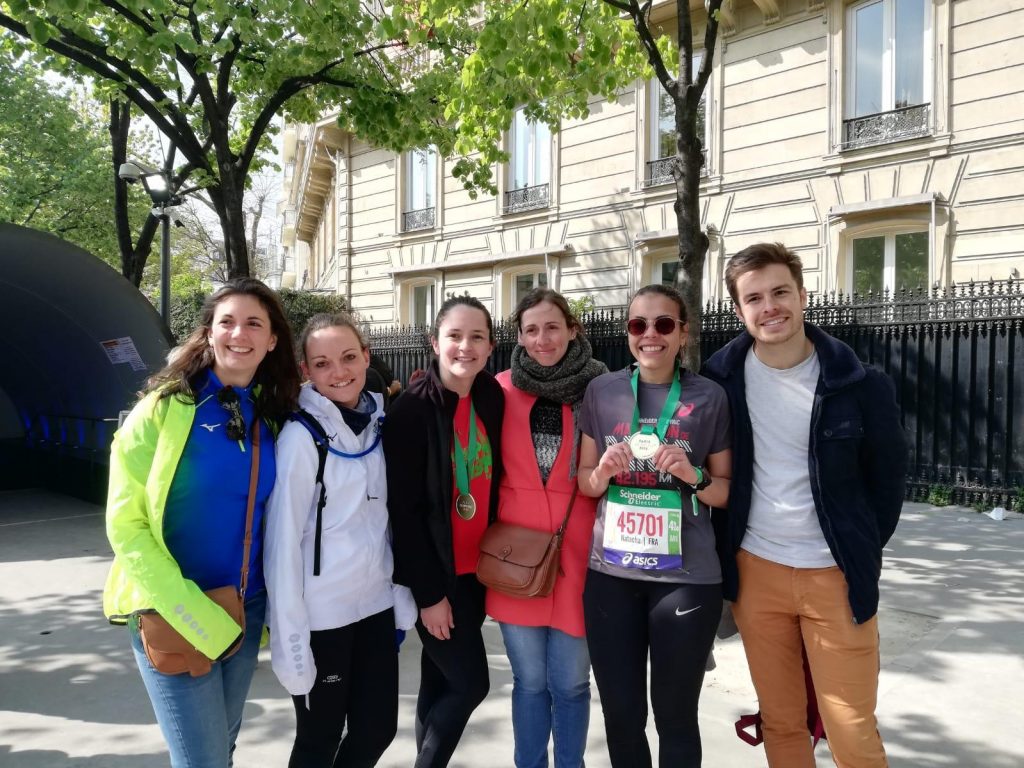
(641, 524)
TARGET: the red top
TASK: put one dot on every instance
(525, 500)
(466, 534)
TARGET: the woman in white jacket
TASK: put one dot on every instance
(333, 609)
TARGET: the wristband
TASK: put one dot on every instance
(703, 479)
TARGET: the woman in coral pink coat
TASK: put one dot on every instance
(544, 638)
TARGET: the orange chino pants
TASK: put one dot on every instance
(779, 608)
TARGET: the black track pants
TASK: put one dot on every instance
(357, 682)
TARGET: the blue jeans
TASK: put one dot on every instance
(200, 716)
(550, 694)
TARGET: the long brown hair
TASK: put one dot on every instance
(277, 376)
(540, 295)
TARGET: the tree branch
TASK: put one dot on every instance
(127, 14)
(710, 40)
(139, 89)
(643, 30)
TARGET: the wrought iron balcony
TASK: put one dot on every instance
(526, 198)
(885, 127)
(420, 219)
(659, 171)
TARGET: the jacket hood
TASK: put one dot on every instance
(326, 411)
(840, 367)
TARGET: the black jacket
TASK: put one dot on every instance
(857, 463)
(417, 440)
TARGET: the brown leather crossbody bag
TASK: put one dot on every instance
(521, 561)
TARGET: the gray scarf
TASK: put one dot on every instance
(564, 382)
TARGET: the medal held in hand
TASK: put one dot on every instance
(643, 445)
(465, 504)
(644, 441)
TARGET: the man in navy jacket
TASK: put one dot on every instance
(819, 463)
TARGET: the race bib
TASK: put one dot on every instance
(642, 528)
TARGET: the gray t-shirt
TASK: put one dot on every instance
(783, 523)
(700, 425)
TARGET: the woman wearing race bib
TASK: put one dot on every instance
(551, 367)
(442, 441)
(655, 450)
(333, 608)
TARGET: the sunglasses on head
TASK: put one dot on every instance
(637, 326)
(228, 399)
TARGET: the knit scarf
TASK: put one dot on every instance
(564, 382)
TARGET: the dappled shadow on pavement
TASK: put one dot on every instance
(916, 741)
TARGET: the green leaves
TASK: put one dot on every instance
(56, 173)
(38, 29)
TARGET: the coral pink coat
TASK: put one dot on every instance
(523, 499)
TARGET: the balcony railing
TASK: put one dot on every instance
(526, 198)
(659, 171)
(419, 219)
(885, 127)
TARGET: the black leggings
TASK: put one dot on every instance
(677, 622)
(453, 677)
(357, 681)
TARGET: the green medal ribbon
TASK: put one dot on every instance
(666, 415)
(666, 412)
(462, 459)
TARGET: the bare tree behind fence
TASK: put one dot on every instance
(952, 352)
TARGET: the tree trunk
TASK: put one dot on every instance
(693, 243)
(227, 198)
(133, 257)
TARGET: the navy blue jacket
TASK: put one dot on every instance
(857, 462)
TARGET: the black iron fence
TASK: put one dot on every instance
(953, 354)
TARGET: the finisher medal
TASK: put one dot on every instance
(644, 441)
(643, 445)
(465, 505)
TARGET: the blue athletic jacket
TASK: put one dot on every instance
(857, 462)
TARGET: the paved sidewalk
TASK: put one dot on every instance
(950, 692)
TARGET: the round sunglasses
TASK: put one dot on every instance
(230, 402)
(637, 326)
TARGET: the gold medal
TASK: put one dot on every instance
(643, 445)
(465, 505)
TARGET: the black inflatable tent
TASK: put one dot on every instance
(77, 341)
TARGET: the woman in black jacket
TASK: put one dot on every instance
(442, 444)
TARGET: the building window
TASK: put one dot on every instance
(662, 131)
(526, 282)
(667, 271)
(418, 210)
(421, 300)
(529, 168)
(888, 67)
(890, 262)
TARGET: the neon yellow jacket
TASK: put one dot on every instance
(143, 458)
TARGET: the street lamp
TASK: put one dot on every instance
(157, 184)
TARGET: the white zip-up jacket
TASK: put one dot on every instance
(355, 550)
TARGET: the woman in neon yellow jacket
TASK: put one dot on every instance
(176, 510)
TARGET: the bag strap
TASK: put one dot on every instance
(320, 440)
(568, 511)
(250, 505)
